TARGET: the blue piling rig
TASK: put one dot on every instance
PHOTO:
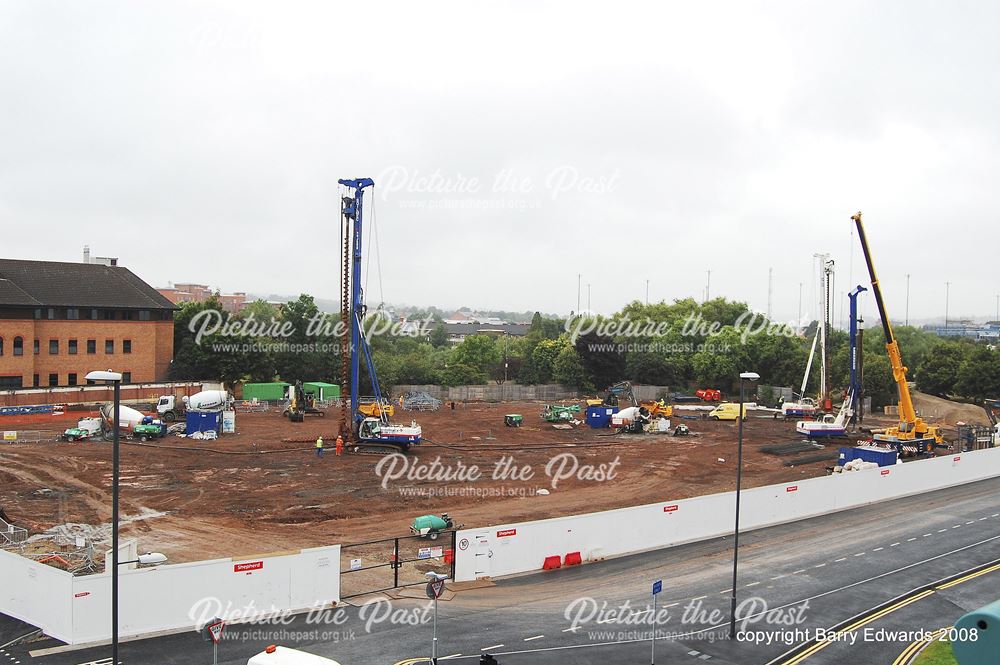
(857, 372)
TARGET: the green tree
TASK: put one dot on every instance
(567, 369)
(979, 374)
(439, 336)
(938, 373)
(479, 352)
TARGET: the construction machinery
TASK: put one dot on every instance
(431, 526)
(804, 406)
(370, 429)
(170, 408)
(912, 436)
(86, 428)
(856, 337)
(619, 390)
(300, 404)
(657, 408)
(555, 413)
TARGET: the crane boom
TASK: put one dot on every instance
(910, 426)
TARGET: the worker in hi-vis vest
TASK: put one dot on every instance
(319, 447)
(340, 445)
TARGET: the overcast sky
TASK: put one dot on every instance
(203, 141)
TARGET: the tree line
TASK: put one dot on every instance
(684, 344)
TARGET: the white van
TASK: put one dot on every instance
(275, 655)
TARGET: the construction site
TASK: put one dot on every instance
(299, 471)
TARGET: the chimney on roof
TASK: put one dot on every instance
(86, 253)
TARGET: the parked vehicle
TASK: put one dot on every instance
(86, 428)
(727, 411)
(170, 409)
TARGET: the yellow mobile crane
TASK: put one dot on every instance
(912, 436)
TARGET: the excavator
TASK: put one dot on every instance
(623, 389)
(912, 436)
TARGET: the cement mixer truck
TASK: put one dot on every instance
(170, 409)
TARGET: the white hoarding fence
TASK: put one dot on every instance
(509, 549)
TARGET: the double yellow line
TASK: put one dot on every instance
(911, 649)
(819, 646)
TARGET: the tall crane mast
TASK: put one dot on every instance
(912, 435)
(369, 426)
(857, 330)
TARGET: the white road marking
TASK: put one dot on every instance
(778, 577)
(983, 518)
(753, 584)
(536, 637)
(725, 591)
(878, 549)
(819, 565)
(994, 514)
(571, 630)
(925, 535)
(699, 598)
(671, 605)
(862, 553)
(843, 558)
(970, 522)
(956, 526)
(796, 572)
(943, 530)
(495, 646)
(910, 540)
(893, 544)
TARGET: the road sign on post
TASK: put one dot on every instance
(657, 588)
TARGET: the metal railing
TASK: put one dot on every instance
(12, 536)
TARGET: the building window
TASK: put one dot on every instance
(71, 379)
(53, 380)
(91, 347)
(36, 347)
(34, 380)
(93, 314)
(144, 315)
(52, 313)
(1, 346)
(126, 346)
(18, 346)
(38, 313)
(109, 346)
(72, 347)
(10, 382)
(126, 377)
(53, 347)
(72, 313)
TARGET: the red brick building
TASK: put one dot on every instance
(59, 321)
(182, 293)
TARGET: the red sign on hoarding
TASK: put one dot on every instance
(792, 488)
(885, 472)
(503, 533)
(81, 594)
(956, 458)
(671, 509)
(247, 567)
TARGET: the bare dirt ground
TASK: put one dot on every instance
(264, 489)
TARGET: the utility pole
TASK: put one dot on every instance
(907, 298)
(998, 309)
(588, 296)
(947, 298)
(578, 278)
(770, 291)
(647, 291)
(799, 320)
(708, 285)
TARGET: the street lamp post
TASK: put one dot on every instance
(115, 379)
(744, 376)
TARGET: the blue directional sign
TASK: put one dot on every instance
(657, 587)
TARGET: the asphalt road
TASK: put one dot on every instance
(809, 575)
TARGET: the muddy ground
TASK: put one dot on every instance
(264, 489)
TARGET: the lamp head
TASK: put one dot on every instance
(106, 375)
